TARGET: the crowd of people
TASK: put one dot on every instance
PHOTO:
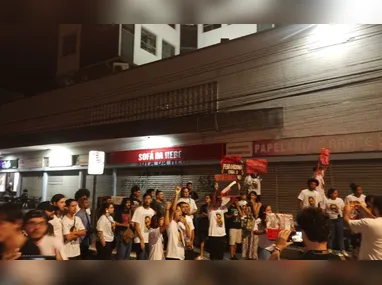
(156, 228)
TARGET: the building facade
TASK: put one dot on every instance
(324, 80)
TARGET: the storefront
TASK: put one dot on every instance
(163, 169)
(356, 158)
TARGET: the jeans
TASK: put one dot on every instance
(124, 250)
(142, 254)
(104, 252)
(337, 233)
(263, 254)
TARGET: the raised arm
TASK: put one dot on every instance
(176, 198)
(166, 218)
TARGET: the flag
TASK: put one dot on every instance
(256, 166)
(324, 156)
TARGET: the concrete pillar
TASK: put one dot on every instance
(44, 195)
(114, 182)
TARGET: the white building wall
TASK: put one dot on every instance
(227, 31)
(162, 32)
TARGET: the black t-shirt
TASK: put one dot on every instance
(235, 221)
(194, 195)
(320, 255)
(29, 248)
(158, 207)
(203, 220)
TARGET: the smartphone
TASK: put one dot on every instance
(296, 237)
(37, 257)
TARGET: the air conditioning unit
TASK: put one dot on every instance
(120, 66)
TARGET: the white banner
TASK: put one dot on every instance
(96, 162)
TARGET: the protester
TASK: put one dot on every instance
(49, 210)
(189, 250)
(254, 203)
(217, 230)
(369, 228)
(142, 220)
(36, 227)
(124, 230)
(135, 195)
(203, 225)
(105, 232)
(159, 225)
(13, 241)
(310, 197)
(177, 232)
(250, 240)
(83, 214)
(73, 230)
(265, 246)
(158, 204)
(315, 227)
(151, 192)
(185, 197)
(191, 191)
(58, 201)
(233, 218)
(82, 194)
(319, 174)
(357, 198)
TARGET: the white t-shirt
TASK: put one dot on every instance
(334, 208)
(72, 248)
(156, 244)
(310, 198)
(217, 225)
(49, 246)
(143, 217)
(104, 225)
(354, 215)
(264, 243)
(371, 242)
(176, 243)
(243, 203)
(321, 187)
(190, 202)
(57, 227)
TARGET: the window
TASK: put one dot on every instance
(210, 27)
(149, 42)
(172, 26)
(128, 27)
(168, 50)
(263, 27)
(69, 44)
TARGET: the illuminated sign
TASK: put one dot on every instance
(8, 164)
(160, 156)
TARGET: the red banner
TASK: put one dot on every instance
(256, 166)
(183, 153)
(228, 185)
(325, 156)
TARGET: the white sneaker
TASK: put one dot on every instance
(344, 253)
(199, 258)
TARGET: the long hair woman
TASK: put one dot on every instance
(105, 232)
(158, 226)
(122, 218)
(265, 246)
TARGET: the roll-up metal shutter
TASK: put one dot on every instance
(366, 173)
(291, 179)
(166, 178)
(269, 187)
(62, 182)
(32, 181)
(104, 185)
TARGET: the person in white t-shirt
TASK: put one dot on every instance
(36, 227)
(177, 231)
(357, 199)
(310, 197)
(334, 207)
(185, 208)
(369, 228)
(217, 231)
(72, 229)
(185, 197)
(159, 225)
(58, 201)
(142, 221)
(105, 231)
(319, 174)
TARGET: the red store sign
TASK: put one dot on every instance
(197, 152)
